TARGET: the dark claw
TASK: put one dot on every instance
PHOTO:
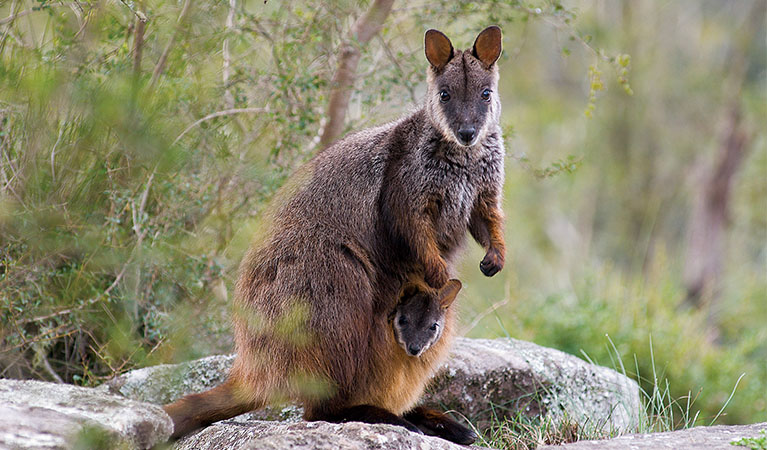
(467, 437)
(488, 268)
(414, 429)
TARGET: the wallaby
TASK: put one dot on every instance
(314, 291)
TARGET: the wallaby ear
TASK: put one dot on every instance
(487, 47)
(439, 50)
(448, 292)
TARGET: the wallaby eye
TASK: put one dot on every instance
(486, 94)
(402, 321)
(444, 97)
(433, 327)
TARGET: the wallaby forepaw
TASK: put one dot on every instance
(492, 263)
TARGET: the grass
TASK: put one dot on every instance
(523, 433)
(660, 412)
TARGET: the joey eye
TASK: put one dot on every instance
(433, 327)
(402, 321)
(486, 95)
(444, 97)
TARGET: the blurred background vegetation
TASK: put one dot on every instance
(140, 139)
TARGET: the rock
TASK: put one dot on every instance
(164, 383)
(482, 378)
(486, 378)
(35, 414)
(310, 435)
(718, 437)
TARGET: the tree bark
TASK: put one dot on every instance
(710, 215)
(138, 44)
(360, 34)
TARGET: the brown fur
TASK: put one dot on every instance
(314, 291)
(399, 379)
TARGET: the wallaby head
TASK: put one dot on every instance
(419, 318)
(462, 86)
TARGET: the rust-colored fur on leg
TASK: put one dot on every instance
(416, 228)
(200, 410)
(486, 226)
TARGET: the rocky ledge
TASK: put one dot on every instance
(35, 414)
(483, 379)
(710, 438)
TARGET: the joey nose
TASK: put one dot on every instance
(466, 134)
(413, 349)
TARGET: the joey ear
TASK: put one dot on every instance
(448, 292)
(487, 47)
(408, 290)
(439, 50)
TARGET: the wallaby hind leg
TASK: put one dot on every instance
(366, 414)
(200, 410)
(435, 423)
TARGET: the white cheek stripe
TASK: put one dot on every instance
(435, 112)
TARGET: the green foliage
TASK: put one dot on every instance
(568, 165)
(757, 443)
(129, 183)
(97, 438)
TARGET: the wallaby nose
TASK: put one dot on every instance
(466, 134)
(413, 349)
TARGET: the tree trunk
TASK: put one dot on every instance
(710, 215)
(360, 34)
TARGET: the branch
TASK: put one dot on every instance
(10, 18)
(228, 97)
(218, 114)
(26, 12)
(139, 15)
(138, 42)
(402, 73)
(53, 153)
(47, 366)
(349, 56)
(158, 69)
(84, 304)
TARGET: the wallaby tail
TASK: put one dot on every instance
(200, 410)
